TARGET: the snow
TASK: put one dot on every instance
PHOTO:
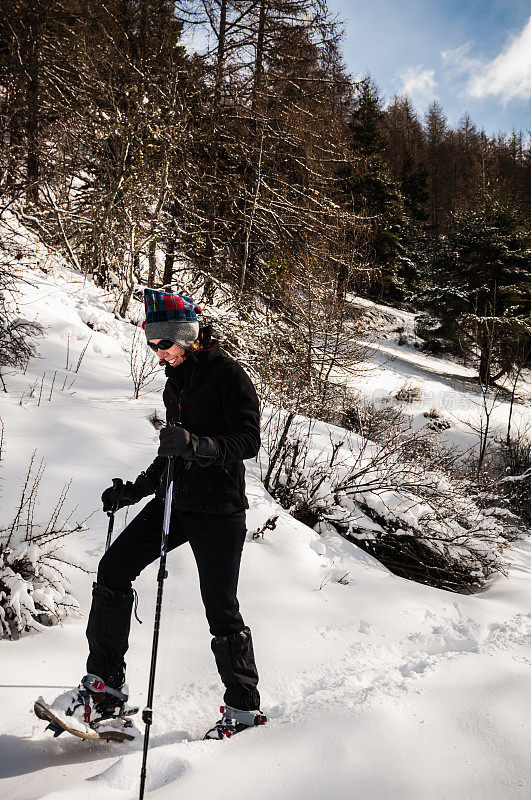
(376, 688)
(394, 362)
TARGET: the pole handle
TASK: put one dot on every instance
(115, 483)
(109, 530)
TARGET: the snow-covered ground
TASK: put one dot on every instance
(393, 362)
(376, 688)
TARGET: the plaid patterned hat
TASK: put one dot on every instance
(171, 316)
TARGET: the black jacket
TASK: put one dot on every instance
(209, 395)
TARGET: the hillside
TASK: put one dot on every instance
(376, 688)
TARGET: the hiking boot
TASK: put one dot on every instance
(233, 721)
(93, 705)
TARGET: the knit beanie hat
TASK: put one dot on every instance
(171, 316)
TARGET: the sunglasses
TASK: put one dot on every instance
(164, 344)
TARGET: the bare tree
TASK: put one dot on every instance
(143, 368)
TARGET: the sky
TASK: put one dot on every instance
(471, 56)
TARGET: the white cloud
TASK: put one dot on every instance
(459, 61)
(418, 83)
(508, 76)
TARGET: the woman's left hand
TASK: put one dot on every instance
(174, 441)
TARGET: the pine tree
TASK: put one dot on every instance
(436, 136)
(481, 286)
(414, 188)
(381, 245)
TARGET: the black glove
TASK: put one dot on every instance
(204, 450)
(122, 494)
(174, 441)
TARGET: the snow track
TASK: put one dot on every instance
(372, 711)
(353, 690)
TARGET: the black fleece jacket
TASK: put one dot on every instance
(209, 395)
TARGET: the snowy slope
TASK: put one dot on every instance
(394, 362)
(377, 688)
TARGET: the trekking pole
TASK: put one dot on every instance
(147, 713)
(110, 514)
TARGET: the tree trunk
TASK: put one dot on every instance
(247, 259)
(141, 56)
(342, 281)
(220, 64)
(220, 68)
(123, 303)
(32, 105)
(152, 261)
(259, 59)
(168, 263)
(152, 249)
(484, 365)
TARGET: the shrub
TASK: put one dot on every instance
(416, 520)
(436, 421)
(370, 421)
(16, 333)
(515, 458)
(34, 588)
(409, 393)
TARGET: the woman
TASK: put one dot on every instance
(213, 408)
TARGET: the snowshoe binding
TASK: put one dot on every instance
(92, 711)
(233, 721)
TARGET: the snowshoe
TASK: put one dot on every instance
(92, 711)
(233, 721)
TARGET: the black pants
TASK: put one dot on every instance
(216, 541)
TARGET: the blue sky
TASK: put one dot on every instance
(472, 57)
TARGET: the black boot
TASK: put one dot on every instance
(237, 669)
(108, 633)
